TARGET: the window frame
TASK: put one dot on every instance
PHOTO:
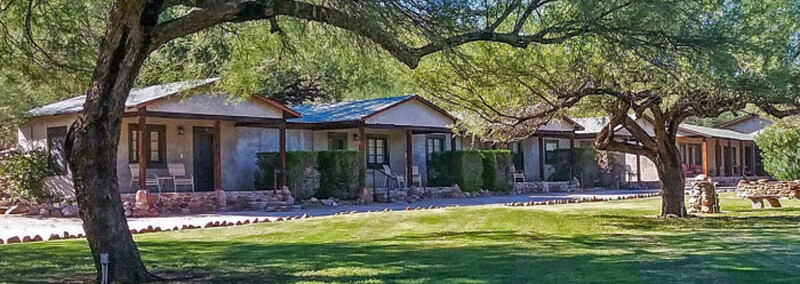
(51, 163)
(428, 140)
(133, 155)
(548, 159)
(385, 154)
(337, 136)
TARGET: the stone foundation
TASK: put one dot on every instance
(174, 203)
(765, 187)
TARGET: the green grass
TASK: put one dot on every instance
(612, 242)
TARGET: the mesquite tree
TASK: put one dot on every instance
(407, 30)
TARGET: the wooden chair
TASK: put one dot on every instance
(179, 177)
(150, 179)
(518, 175)
(401, 181)
(416, 178)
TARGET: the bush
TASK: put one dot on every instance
(780, 151)
(469, 170)
(302, 176)
(587, 169)
(440, 169)
(562, 166)
(23, 174)
(497, 173)
(341, 174)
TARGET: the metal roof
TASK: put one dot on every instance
(136, 97)
(344, 111)
(716, 132)
(593, 125)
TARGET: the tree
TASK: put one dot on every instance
(780, 149)
(407, 30)
(704, 68)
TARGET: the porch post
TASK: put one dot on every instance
(541, 157)
(409, 158)
(742, 163)
(217, 156)
(705, 156)
(453, 160)
(753, 154)
(728, 164)
(362, 152)
(282, 155)
(144, 147)
(572, 155)
(638, 168)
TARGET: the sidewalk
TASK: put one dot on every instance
(30, 226)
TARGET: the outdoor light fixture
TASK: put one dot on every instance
(181, 131)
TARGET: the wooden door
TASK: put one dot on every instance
(203, 150)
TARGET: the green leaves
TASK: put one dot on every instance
(780, 150)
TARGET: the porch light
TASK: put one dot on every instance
(181, 131)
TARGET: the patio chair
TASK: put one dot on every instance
(518, 175)
(179, 177)
(416, 178)
(401, 181)
(150, 180)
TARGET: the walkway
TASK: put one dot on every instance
(29, 226)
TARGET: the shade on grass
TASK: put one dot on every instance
(613, 242)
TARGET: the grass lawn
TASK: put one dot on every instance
(612, 242)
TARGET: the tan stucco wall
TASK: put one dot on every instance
(412, 112)
(216, 105)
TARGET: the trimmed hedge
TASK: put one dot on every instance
(440, 169)
(497, 173)
(301, 172)
(562, 166)
(469, 170)
(341, 174)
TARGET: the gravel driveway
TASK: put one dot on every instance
(29, 226)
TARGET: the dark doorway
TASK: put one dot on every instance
(203, 158)
(748, 161)
(56, 136)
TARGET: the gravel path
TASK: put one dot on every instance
(29, 226)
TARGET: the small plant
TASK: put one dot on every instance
(23, 174)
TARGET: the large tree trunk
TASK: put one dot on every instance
(94, 138)
(670, 172)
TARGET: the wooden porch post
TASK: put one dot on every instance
(362, 151)
(282, 155)
(753, 154)
(409, 158)
(572, 155)
(705, 156)
(144, 148)
(217, 156)
(541, 157)
(453, 156)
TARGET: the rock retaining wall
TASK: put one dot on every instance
(765, 187)
(174, 203)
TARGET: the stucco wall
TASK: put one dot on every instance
(412, 112)
(216, 105)
(749, 125)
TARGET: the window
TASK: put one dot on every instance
(157, 156)
(56, 136)
(585, 144)
(434, 144)
(377, 152)
(517, 155)
(337, 141)
(550, 151)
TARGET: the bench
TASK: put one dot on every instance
(758, 201)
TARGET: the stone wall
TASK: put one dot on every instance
(765, 187)
(174, 203)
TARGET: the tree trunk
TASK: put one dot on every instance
(670, 172)
(94, 138)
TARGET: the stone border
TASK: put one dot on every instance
(580, 200)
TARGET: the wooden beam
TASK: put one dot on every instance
(639, 168)
(144, 146)
(282, 156)
(705, 156)
(541, 157)
(409, 157)
(241, 120)
(362, 152)
(217, 155)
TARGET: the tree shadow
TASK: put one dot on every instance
(458, 257)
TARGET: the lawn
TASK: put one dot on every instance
(612, 242)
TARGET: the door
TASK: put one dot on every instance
(203, 146)
(56, 136)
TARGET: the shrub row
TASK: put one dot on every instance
(321, 174)
(23, 173)
(472, 170)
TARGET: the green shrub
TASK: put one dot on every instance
(587, 169)
(469, 170)
(341, 174)
(24, 174)
(302, 177)
(496, 169)
(780, 151)
(440, 169)
(562, 166)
